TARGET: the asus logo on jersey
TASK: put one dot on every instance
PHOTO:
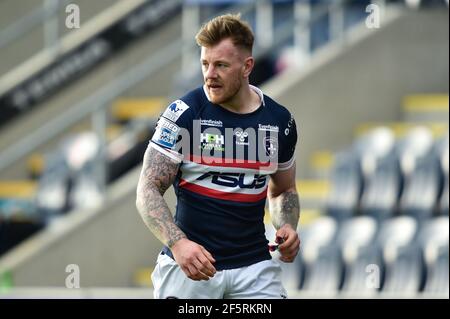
(235, 180)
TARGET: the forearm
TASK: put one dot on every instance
(157, 175)
(285, 209)
(158, 218)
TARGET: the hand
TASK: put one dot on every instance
(291, 243)
(194, 259)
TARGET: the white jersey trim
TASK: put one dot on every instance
(287, 165)
(175, 156)
(189, 166)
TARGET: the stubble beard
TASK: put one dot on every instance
(234, 90)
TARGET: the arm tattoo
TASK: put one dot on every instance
(285, 209)
(158, 173)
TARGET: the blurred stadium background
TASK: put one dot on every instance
(79, 105)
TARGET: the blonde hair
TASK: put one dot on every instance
(223, 27)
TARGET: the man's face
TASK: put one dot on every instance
(223, 68)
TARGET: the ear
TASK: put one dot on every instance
(249, 63)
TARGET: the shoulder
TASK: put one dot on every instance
(284, 119)
(184, 108)
(195, 99)
(280, 112)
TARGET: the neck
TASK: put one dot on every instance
(245, 101)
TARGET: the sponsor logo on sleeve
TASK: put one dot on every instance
(174, 110)
(166, 133)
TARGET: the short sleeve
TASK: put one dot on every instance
(289, 141)
(168, 129)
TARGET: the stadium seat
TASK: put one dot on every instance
(355, 239)
(381, 172)
(382, 189)
(376, 143)
(321, 260)
(323, 276)
(444, 162)
(424, 184)
(357, 167)
(417, 143)
(443, 205)
(401, 256)
(434, 240)
(346, 186)
(437, 274)
(421, 190)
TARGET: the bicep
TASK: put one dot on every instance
(158, 170)
(282, 181)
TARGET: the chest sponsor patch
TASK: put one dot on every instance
(268, 127)
(215, 123)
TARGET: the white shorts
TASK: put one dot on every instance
(260, 280)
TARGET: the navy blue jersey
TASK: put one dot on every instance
(226, 161)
